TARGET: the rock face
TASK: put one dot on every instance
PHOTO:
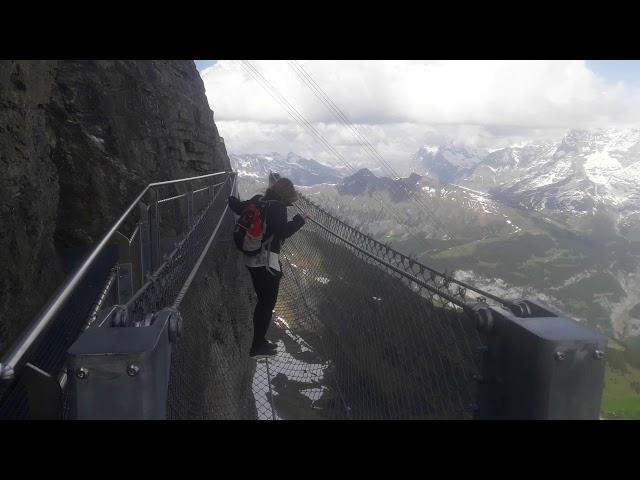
(78, 141)
(29, 190)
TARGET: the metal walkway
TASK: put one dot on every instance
(156, 323)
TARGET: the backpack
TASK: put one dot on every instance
(248, 233)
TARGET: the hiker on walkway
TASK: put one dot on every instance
(265, 267)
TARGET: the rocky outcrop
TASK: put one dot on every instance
(365, 182)
(78, 141)
(29, 190)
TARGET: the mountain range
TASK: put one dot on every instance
(555, 221)
(586, 173)
(300, 170)
(559, 220)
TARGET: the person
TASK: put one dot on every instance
(266, 268)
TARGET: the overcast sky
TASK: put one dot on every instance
(402, 105)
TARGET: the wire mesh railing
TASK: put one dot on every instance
(49, 352)
(363, 332)
(210, 370)
(118, 265)
(366, 333)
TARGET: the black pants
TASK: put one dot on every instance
(266, 285)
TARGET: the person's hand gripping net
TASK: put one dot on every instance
(304, 214)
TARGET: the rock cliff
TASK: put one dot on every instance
(78, 141)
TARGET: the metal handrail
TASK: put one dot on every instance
(169, 199)
(23, 345)
(203, 254)
(467, 308)
(182, 195)
(153, 276)
(506, 303)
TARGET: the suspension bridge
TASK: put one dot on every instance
(155, 323)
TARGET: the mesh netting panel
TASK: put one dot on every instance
(211, 372)
(50, 353)
(358, 340)
(363, 332)
(167, 283)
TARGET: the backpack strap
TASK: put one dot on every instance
(268, 242)
(268, 265)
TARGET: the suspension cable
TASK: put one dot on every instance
(300, 119)
(308, 81)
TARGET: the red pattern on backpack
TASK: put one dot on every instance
(255, 222)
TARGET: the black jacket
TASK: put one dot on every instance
(277, 224)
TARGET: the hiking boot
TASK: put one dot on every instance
(263, 351)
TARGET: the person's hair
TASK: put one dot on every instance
(284, 190)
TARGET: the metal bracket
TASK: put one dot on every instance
(6, 372)
(123, 373)
(125, 282)
(125, 268)
(113, 316)
(542, 366)
(484, 317)
(175, 324)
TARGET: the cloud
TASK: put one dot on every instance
(401, 104)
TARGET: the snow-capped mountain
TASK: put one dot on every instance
(506, 165)
(586, 270)
(556, 220)
(301, 171)
(447, 163)
(586, 170)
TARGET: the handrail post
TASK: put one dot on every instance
(124, 267)
(189, 196)
(145, 242)
(154, 232)
(135, 258)
(13, 360)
